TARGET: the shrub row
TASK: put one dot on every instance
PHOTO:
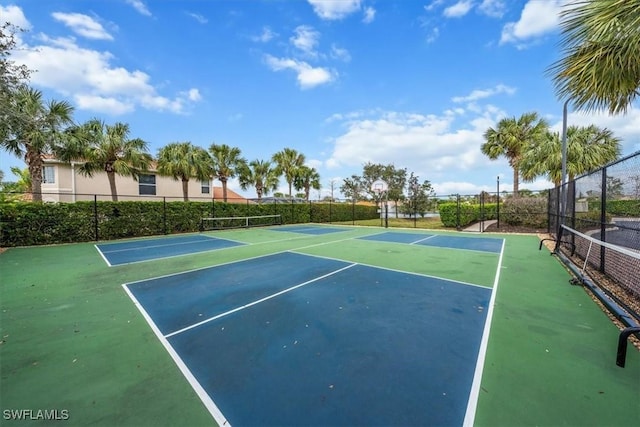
(26, 224)
(526, 211)
(625, 208)
(469, 213)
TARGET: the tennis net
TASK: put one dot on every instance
(613, 268)
(207, 224)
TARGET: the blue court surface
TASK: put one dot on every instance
(293, 339)
(484, 244)
(309, 229)
(151, 249)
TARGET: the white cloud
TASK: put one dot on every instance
(89, 77)
(340, 53)
(14, 15)
(192, 95)
(434, 4)
(369, 15)
(140, 7)
(306, 39)
(266, 35)
(200, 18)
(102, 104)
(485, 93)
(334, 9)
(537, 18)
(433, 35)
(626, 127)
(459, 9)
(493, 8)
(307, 76)
(83, 25)
(419, 142)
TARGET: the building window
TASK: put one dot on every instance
(48, 175)
(147, 184)
(205, 187)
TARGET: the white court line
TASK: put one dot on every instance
(218, 316)
(479, 251)
(306, 236)
(102, 255)
(474, 394)
(422, 240)
(193, 242)
(197, 387)
(396, 270)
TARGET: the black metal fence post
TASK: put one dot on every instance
(603, 217)
(498, 204)
(330, 208)
(95, 216)
(164, 215)
(458, 211)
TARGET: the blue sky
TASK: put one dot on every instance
(407, 82)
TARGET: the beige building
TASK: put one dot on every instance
(61, 182)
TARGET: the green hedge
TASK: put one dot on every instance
(469, 213)
(525, 211)
(26, 224)
(625, 208)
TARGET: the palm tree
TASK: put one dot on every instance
(306, 179)
(588, 148)
(288, 161)
(108, 148)
(183, 161)
(511, 138)
(261, 175)
(23, 184)
(37, 132)
(227, 163)
(601, 46)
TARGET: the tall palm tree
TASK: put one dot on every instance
(588, 148)
(37, 131)
(288, 161)
(511, 138)
(227, 163)
(261, 175)
(601, 46)
(183, 161)
(306, 179)
(108, 148)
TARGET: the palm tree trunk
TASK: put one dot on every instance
(185, 189)
(516, 179)
(112, 185)
(34, 163)
(224, 189)
(290, 195)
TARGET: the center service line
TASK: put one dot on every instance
(257, 301)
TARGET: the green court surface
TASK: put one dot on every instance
(72, 339)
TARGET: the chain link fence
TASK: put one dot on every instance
(596, 220)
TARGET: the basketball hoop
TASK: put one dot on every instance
(379, 187)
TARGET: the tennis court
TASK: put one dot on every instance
(316, 325)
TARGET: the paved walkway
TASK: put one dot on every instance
(478, 227)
